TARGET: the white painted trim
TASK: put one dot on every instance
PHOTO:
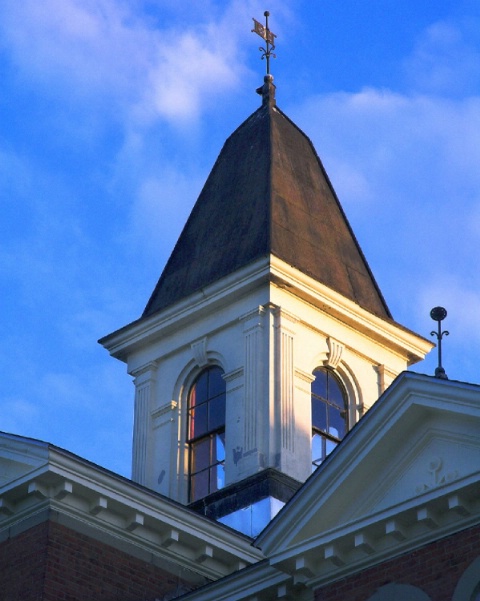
(126, 340)
(102, 502)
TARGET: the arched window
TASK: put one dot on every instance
(206, 433)
(329, 414)
(399, 592)
(468, 587)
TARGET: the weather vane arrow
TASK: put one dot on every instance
(269, 37)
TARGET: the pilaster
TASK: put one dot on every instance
(284, 378)
(234, 424)
(292, 437)
(144, 381)
(165, 468)
(250, 454)
(385, 378)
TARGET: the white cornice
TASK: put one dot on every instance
(255, 583)
(314, 541)
(125, 340)
(103, 503)
(267, 269)
(383, 536)
(402, 408)
(387, 332)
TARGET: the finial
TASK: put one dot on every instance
(268, 36)
(267, 91)
(438, 314)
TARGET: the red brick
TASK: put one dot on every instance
(435, 569)
(50, 562)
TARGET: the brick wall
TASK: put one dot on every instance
(50, 562)
(22, 565)
(435, 569)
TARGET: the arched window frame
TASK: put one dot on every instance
(468, 586)
(399, 592)
(205, 435)
(328, 412)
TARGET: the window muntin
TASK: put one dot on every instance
(329, 414)
(206, 433)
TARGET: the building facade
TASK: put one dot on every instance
(268, 285)
(281, 450)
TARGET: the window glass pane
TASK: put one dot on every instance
(217, 477)
(200, 455)
(261, 515)
(319, 415)
(216, 384)
(317, 448)
(220, 447)
(240, 520)
(199, 485)
(329, 446)
(319, 385)
(336, 422)
(206, 432)
(198, 421)
(335, 393)
(216, 413)
(201, 388)
(192, 399)
(329, 414)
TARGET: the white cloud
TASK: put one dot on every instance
(109, 51)
(16, 413)
(91, 44)
(461, 298)
(189, 69)
(446, 59)
(406, 168)
(87, 413)
(462, 301)
(162, 205)
(416, 154)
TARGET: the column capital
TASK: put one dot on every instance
(253, 319)
(145, 372)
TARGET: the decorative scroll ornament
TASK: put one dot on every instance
(335, 349)
(199, 349)
(438, 476)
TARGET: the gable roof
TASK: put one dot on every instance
(406, 475)
(268, 193)
(90, 499)
(410, 461)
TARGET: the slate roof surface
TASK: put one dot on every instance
(268, 193)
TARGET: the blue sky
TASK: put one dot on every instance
(112, 113)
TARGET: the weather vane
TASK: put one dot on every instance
(438, 314)
(268, 36)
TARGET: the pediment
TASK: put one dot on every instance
(432, 460)
(19, 456)
(418, 441)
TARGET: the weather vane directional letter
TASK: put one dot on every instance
(268, 36)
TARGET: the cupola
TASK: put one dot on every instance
(266, 338)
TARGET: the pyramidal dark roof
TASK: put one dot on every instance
(268, 193)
